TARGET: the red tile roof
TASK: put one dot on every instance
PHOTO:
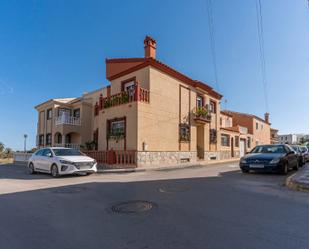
(144, 62)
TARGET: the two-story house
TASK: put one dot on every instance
(149, 109)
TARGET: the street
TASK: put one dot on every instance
(215, 207)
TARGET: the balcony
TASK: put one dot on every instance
(66, 119)
(131, 95)
(201, 115)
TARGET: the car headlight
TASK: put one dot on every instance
(67, 162)
(94, 162)
(275, 160)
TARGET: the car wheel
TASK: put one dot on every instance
(285, 169)
(31, 169)
(54, 171)
(296, 167)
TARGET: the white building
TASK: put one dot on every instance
(288, 139)
(292, 138)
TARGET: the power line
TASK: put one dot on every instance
(211, 28)
(260, 30)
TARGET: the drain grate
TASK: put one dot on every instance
(173, 189)
(133, 207)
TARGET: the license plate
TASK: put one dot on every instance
(258, 166)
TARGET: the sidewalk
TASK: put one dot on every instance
(168, 167)
(300, 180)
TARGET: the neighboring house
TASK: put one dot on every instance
(234, 138)
(148, 114)
(66, 122)
(258, 128)
(288, 139)
(274, 138)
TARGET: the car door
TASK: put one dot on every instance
(291, 156)
(47, 160)
(37, 160)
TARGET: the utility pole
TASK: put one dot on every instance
(25, 142)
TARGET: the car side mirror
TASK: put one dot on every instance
(49, 155)
(291, 153)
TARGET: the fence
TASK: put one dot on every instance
(21, 157)
(114, 158)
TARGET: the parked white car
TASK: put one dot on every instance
(61, 161)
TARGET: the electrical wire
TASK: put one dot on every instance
(211, 28)
(260, 31)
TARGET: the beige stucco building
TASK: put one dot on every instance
(148, 114)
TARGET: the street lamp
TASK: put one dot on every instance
(25, 142)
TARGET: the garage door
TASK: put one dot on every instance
(242, 147)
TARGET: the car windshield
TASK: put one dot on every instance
(67, 152)
(295, 148)
(269, 149)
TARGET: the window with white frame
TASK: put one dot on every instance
(199, 101)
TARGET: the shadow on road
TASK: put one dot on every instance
(189, 213)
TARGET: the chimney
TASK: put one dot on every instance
(150, 47)
(266, 117)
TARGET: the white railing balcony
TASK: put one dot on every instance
(243, 130)
(73, 146)
(70, 120)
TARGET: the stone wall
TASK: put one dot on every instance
(165, 157)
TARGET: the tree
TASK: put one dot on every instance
(1, 147)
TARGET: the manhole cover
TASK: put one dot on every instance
(173, 189)
(132, 207)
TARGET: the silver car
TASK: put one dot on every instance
(61, 161)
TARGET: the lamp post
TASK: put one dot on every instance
(25, 142)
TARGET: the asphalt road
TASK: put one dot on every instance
(216, 207)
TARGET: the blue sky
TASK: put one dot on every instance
(57, 48)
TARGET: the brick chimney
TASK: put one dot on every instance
(150, 47)
(266, 117)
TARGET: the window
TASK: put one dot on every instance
(225, 140)
(249, 142)
(48, 139)
(213, 106)
(184, 132)
(236, 141)
(76, 113)
(213, 136)
(256, 143)
(49, 114)
(41, 140)
(47, 153)
(261, 126)
(199, 101)
(39, 153)
(116, 128)
(256, 125)
(220, 121)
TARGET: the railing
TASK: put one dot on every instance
(65, 119)
(243, 130)
(134, 94)
(114, 158)
(68, 145)
(201, 115)
(22, 157)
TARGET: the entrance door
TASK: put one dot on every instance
(232, 147)
(242, 147)
(200, 141)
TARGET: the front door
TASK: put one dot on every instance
(200, 142)
(242, 147)
(232, 147)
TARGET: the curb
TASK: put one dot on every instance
(164, 168)
(295, 185)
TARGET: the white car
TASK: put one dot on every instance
(61, 161)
